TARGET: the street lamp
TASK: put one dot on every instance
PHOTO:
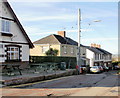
(78, 54)
(79, 35)
(97, 21)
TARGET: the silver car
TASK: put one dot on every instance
(95, 69)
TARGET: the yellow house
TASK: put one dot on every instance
(65, 46)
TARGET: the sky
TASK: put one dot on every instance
(41, 19)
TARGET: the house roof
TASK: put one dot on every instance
(47, 40)
(104, 51)
(18, 23)
(94, 50)
(98, 50)
(56, 39)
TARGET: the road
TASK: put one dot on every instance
(104, 84)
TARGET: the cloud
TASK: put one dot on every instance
(63, 0)
(42, 18)
(82, 30)
(99, 39)
(38, 31)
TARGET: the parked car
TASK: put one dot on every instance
(116, 67)
(101, 68)
(105, 68)
(83, 68)
(95, 69)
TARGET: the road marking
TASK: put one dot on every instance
(35, 82)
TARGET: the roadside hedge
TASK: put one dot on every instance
(54, 59)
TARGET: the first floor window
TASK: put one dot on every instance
(5, 26)
(72, 50)
(13, 53)
(65, 49)
(44, 49)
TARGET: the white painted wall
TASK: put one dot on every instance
(90, 55)
(15, 30)
(17, 36)
(5, 12)
(25, 53)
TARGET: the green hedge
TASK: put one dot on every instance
(54, 59)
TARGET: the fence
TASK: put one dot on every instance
(70, 61)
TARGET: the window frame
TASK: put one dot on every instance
(65, 49)
(44, 49)
(6, 26)
(72, 50)
(9, 58)
(15, 51)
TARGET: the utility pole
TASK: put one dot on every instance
(79, 35)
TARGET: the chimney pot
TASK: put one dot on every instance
(94, 45)
(91, 45)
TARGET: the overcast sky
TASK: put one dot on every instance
(41, 19)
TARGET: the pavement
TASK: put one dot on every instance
(104, 84)
(33, 76)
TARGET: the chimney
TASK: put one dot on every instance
(91, 45)
(99, 46)
(62, 33)
(94, 45)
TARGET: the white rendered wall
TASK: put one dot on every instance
(90, 55)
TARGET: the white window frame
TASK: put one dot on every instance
(65, 49)
(14, 51)
(44, 49)
(72, 50)
(5, 26)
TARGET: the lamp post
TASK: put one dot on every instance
(79, 35)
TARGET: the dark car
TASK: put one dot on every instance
(105, 68)
(116, 67)
(101, 68)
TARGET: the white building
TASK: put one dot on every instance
(98, 56)
(14, 42)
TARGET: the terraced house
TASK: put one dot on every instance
(14, 42)
(98, 56)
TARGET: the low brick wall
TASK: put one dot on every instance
(24, 80)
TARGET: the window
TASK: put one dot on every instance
(65, 49)
(5, 26)
(72, 50)
(95, 56)
(13, 53)
(1, 46)
(44, 49)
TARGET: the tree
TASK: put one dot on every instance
(52, 52)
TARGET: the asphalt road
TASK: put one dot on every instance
(104, 84)
(106, 79)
